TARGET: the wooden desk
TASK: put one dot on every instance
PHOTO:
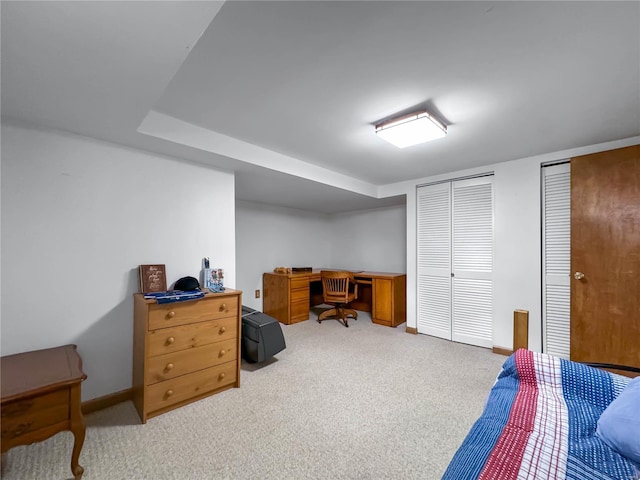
(41, 397)
(288, 296)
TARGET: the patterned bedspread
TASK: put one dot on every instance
(539, 422)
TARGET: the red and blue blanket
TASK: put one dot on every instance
(539, 422)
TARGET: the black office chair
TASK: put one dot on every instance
(338, 289)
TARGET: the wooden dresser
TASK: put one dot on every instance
(184, 351)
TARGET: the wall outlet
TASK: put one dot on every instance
(257, 293)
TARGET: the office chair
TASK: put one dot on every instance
(338, 289)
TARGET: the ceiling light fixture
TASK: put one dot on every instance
(411, 129)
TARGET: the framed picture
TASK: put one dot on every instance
(153, 278)
(213, 278)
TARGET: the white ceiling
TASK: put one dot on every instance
(286, 93)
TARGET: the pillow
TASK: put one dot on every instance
(619, 424)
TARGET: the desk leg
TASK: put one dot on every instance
(78, 428)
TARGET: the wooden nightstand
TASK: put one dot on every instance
(41, 396)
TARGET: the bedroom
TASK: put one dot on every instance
(99, 198)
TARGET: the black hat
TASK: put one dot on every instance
(187, 284)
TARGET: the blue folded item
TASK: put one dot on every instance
(171, 296)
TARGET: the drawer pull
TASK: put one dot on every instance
(171, 314)
(223, 329)
(170, 340)
(169, 366)
(222, 352)
(169, 393)
(22, 428)
(223, 307)
(221, 376)
(16, 409)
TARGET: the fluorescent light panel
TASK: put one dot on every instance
(411, 129)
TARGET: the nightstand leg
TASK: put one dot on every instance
(78, 428)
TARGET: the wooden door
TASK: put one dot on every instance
(605, 257)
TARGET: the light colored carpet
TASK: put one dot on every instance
(364, 402)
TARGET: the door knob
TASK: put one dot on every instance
(578, 275)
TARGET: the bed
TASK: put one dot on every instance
(539, 422)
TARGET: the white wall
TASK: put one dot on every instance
(78, 217)
(373, 240)
(517, 274)
(269, 236)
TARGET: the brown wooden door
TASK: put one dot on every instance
(605, 248)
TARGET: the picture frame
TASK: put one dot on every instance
(213, 278)
(153, 278)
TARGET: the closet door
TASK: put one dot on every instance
(434, 260)
(472, 254)
(605, 257)
(455, 260)
(556, 254)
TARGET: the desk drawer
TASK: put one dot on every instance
(300, 283)
(300, 295)
(165, 394)
(182, 313)
(300, 310)
(173, 365)
(29, 415)
(169, 340)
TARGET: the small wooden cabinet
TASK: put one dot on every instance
(41, 396)
(184, 351)
(389, 302)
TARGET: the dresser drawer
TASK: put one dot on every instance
(168, 340)
(182, 313)
(32, 414)
(172, 365)
(167, 393)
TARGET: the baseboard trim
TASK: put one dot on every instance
(502, 351)
(411, 330)
(110, 400)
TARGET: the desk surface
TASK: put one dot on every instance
(357, 273)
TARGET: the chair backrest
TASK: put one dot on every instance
(335, 286)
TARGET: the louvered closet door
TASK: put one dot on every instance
(455, 260)
(472, 254)
(556, 252)
(434, 260)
